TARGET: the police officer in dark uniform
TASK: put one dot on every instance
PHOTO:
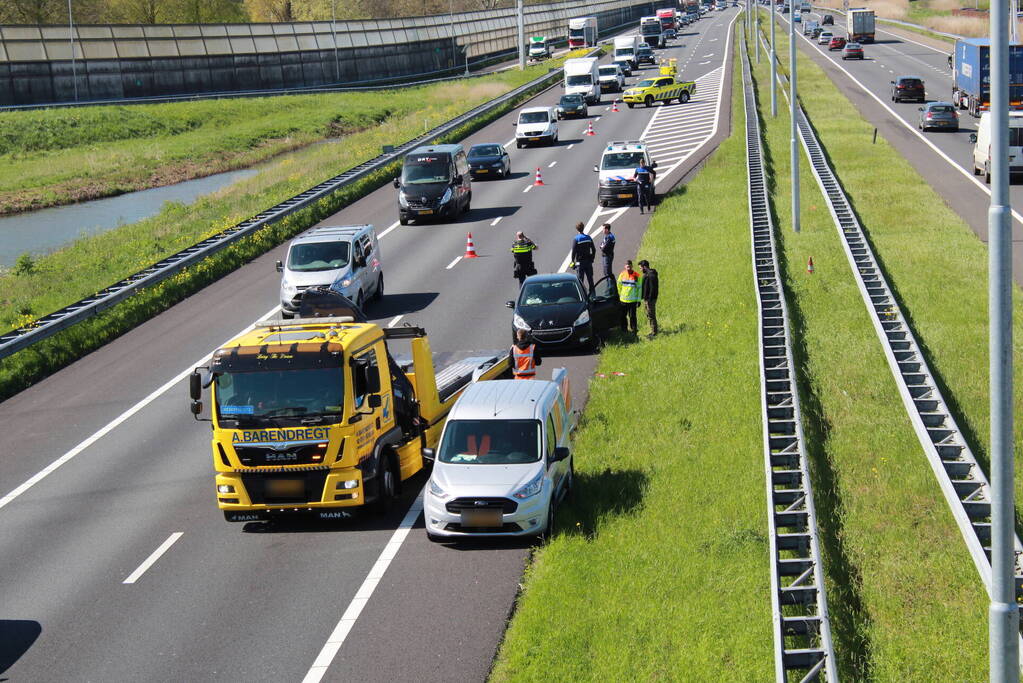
(645, 177)
(522, 251)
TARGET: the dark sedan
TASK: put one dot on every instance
(827, 20)
(938, 115)
(556, 312)
(645, 54)
(908, 88)
(489, 160)
(573, 106)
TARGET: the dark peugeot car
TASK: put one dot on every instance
(645, 54)
(908, 88)
(938, 115)
(489, 160)
(827, 20)
(556, 313)
(573, 105)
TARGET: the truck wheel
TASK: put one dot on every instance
(388, 486)
(359, 300)
(648, 101)
(684, 97)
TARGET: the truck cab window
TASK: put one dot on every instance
(366, 377)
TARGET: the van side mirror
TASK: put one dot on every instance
(595, 169)
(509, 304)
(280, 266)
(428, 454)
(397, 184)
(195, 385)
(973, 138)
(560, 453)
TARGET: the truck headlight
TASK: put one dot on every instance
(532, 488)
(447, 196)
(583, 318)
(519, 323)
(349, 484)
(402, 199)
(436, 490)
(225, 488)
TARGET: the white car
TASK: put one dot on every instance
(611, 78)
(536, 126)
(503, 463)
(825, 37)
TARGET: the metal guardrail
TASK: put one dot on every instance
(800, 622)
(64, 318)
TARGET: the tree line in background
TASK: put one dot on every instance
(226, 11)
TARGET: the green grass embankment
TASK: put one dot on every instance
(92, 263)
(660, 568)
(906, 601)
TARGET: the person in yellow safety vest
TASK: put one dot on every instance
(630, 292)
(524, 357)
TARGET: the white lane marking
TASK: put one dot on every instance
(703, 63)
(573, 144)
(388, 230)
(119, 420)
(528, 188)
(496, 220)
(508, 144)
(598, 118)
(913, 129)
(551, 165)
(151, 560)
(395, 319)
(453, 263)
(590, 224)
(362, 596)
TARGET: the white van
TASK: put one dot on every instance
(982, 145)
(581, 77)
(344, 258)
(625, 53)
(536, 126)
(503, 463)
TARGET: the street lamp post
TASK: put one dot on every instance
(521, 33)
(333, 35)
(793, 130)
(1003, 613)
(71, 38)
(774, 66)
(756, 30)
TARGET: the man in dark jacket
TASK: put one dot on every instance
(607, 250)
(583, 253)
(522, 251)
(649, 295)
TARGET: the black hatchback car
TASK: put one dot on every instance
(556, 312)
(908, 88)
(572, 105)
(489, 160)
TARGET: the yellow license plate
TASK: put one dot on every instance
(285, 487)
(625, 196)
(482, 170)
(481, 518)
(425, 212)
(533, 139)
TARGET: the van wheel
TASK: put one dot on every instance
(570, 483)
(402, 220)
(987, 174)
(359, 301)
(976, 171)
(648, 101)
(518, 145)
(548, 533)
(379, 294)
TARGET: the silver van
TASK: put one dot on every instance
(503, 462)
(344, 258)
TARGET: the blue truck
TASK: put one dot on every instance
(971, 75)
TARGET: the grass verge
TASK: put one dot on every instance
(88, 265)
(906, 601)
(661, 564)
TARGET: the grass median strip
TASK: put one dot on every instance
(661, 565)
(906, 601)
(50, 282)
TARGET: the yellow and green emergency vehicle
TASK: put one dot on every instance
(316, 415)
(659, 89)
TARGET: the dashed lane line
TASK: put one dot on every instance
(151, 560)
(453, 263)
(386, 232)
(395, 319)
(496, 221)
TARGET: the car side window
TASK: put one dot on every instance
(552, 436)
(357, 254)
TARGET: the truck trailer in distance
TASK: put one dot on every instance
(860, 28)
(971, 75)
(582, 32)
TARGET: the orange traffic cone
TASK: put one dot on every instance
(589, 128)
(614, 107)
(539, 179)
(470, 249)
(809, 266)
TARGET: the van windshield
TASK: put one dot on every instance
(533, 117)
(624, 52)
(490, 442)
(621, 160)
(609, 71)
(580, 79)
(426, 168)
(313, 256)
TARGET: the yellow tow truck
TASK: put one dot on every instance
(317, 416)
(659, 89)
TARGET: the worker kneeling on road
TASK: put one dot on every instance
(524, 356)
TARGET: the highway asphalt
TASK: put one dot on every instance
(943, 158)
(115, 563)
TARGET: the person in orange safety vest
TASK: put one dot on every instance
(524, 357)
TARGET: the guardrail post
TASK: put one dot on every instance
(1003, 613)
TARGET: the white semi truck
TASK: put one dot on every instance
(582, 32)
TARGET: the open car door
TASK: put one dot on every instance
(605, 308)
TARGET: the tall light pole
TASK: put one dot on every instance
(756, 31)
(521, 33)
(774, 66)
(793, 130)
(71, 38)
(1003, 614)
(333, 34)
(454, 43)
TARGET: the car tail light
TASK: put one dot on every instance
(930, 115)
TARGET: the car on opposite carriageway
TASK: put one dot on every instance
(489, 160)
(557, 313)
